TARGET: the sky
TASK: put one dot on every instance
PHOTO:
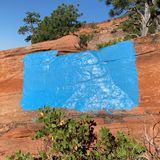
(12, 13)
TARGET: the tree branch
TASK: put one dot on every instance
(139, 12)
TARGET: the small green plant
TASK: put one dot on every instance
(119, 147)
(19, 155)
(75, 139)
(109, 43)
(93, 26)
(85, 39)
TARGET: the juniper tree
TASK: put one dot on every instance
(61, 22)
(31, 21)
(143, 15)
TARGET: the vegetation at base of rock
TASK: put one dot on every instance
(75, 139)
(61, 22)
(93, 26)
(112, 42)
(85, 39)
(19, 155)
(143, 16)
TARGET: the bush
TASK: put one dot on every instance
(68, 138)
(93, 26)
(119, 147)
(20, 156)
(85, 39)
(109, 43)
(75, 139)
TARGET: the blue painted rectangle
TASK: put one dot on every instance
(88, 81)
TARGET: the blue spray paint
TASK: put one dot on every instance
(88, 81)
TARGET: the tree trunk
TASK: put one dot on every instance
(157, 21)
(145, 20)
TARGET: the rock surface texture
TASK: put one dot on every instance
(11, 70)
(17, 126)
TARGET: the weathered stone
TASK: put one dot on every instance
(16, 135)
(11, 69)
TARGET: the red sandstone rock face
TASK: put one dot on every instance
(16, 126)
(11, 69)
(148, 65)
(13, 121)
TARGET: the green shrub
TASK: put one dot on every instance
(69, 138)
(109, 43)
(119, 147)
(19, 155)
(93, 26)
(85, 39)
(75, 139)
